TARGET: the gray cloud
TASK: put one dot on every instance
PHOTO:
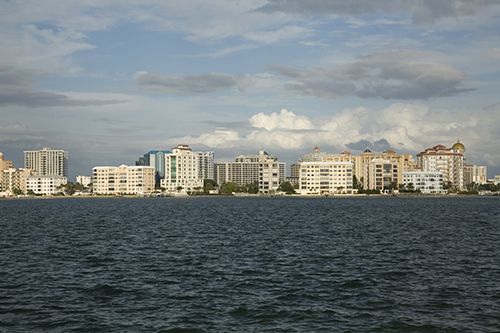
(420, 11)
(390, 75)
(188, 84)
(379, 145)
(16, 88)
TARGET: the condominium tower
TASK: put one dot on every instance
(123, 179)
(47, 161)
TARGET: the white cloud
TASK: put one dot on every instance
(283, 120)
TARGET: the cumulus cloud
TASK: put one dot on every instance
(283, 120)
(405, 127)
(388, 75)
(188, 84)
(420, 11)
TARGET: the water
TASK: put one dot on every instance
(250, 264)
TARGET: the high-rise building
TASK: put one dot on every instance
(47, 161)
(477, 174)
(402, 162)
(263, 169)
(448, 161)
(5, 164)
(155, 159)
(206, 168)
(111, 180)
(383, 174)
(182, 170)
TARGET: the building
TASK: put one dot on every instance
(325, 177)
(206, 169)
(426, 182)
(295, 170)
(47, 162)
(45, 185)
(14, 180)
(448, 161)
(84, 180)
(475, 174)
(111, 180)
(182, 170)
(262, 168)
(383, 174)
(402, 162)
(5, 164)
(155, 159)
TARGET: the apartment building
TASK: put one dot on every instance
(111, 180)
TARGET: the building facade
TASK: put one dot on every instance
(239, 172)
(84, 180)
(14, 179)
(182, 171)
(475, 174)
(325, 177)
(362, 162)
(134, 180)
(45, 185)
(448, 161)
(383, 174)
(155, 159)
(426, 182)
(206, 169)
(47, 162)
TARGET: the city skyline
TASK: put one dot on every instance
(108, 82)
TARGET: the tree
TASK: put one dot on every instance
(286, 187)
(228, 188)
(17, 191)
(209, 184)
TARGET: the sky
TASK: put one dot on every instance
(110, 80)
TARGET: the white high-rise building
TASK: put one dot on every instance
(135, 180)
(206, 168)
(325, 177)
(182, 170)
(426, 181)
(271, 173)
(448, 161)
(47, 161)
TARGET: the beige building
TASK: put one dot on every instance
(402, 163)
(448, 161)
(45, 185)
(477, 174)
(135, 180)
(182, 170)
(248, 169)
(15, 179)
(383, 174)
(47, 161)
(325, 177)
(4, 165)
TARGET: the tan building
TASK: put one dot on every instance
(15, 179)
(325, 177)
(401, 163)
(135, 180)
(383, 174)
(448, 161)
(477, 174)
(248, 169)
(4, 165)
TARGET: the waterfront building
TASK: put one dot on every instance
(295, 170)
(13, 180)
(45, 185)
(47, 161)
(427, 182)
(401, 163)
(263, 169)
(84, 180)
(475, 174)
(111, 180)
(155, 159)
(206, 169)
(182, 172)
(496, 180)
(325, 177)
(383, 174)
(5, 164)
(448, 161)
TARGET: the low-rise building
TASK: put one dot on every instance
(84, 180)
(45, 185)
(325, 177)
(134, 180)
(427, 182)
(14, 180)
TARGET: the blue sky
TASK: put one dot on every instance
(110, 80)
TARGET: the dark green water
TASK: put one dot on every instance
(250, 265)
